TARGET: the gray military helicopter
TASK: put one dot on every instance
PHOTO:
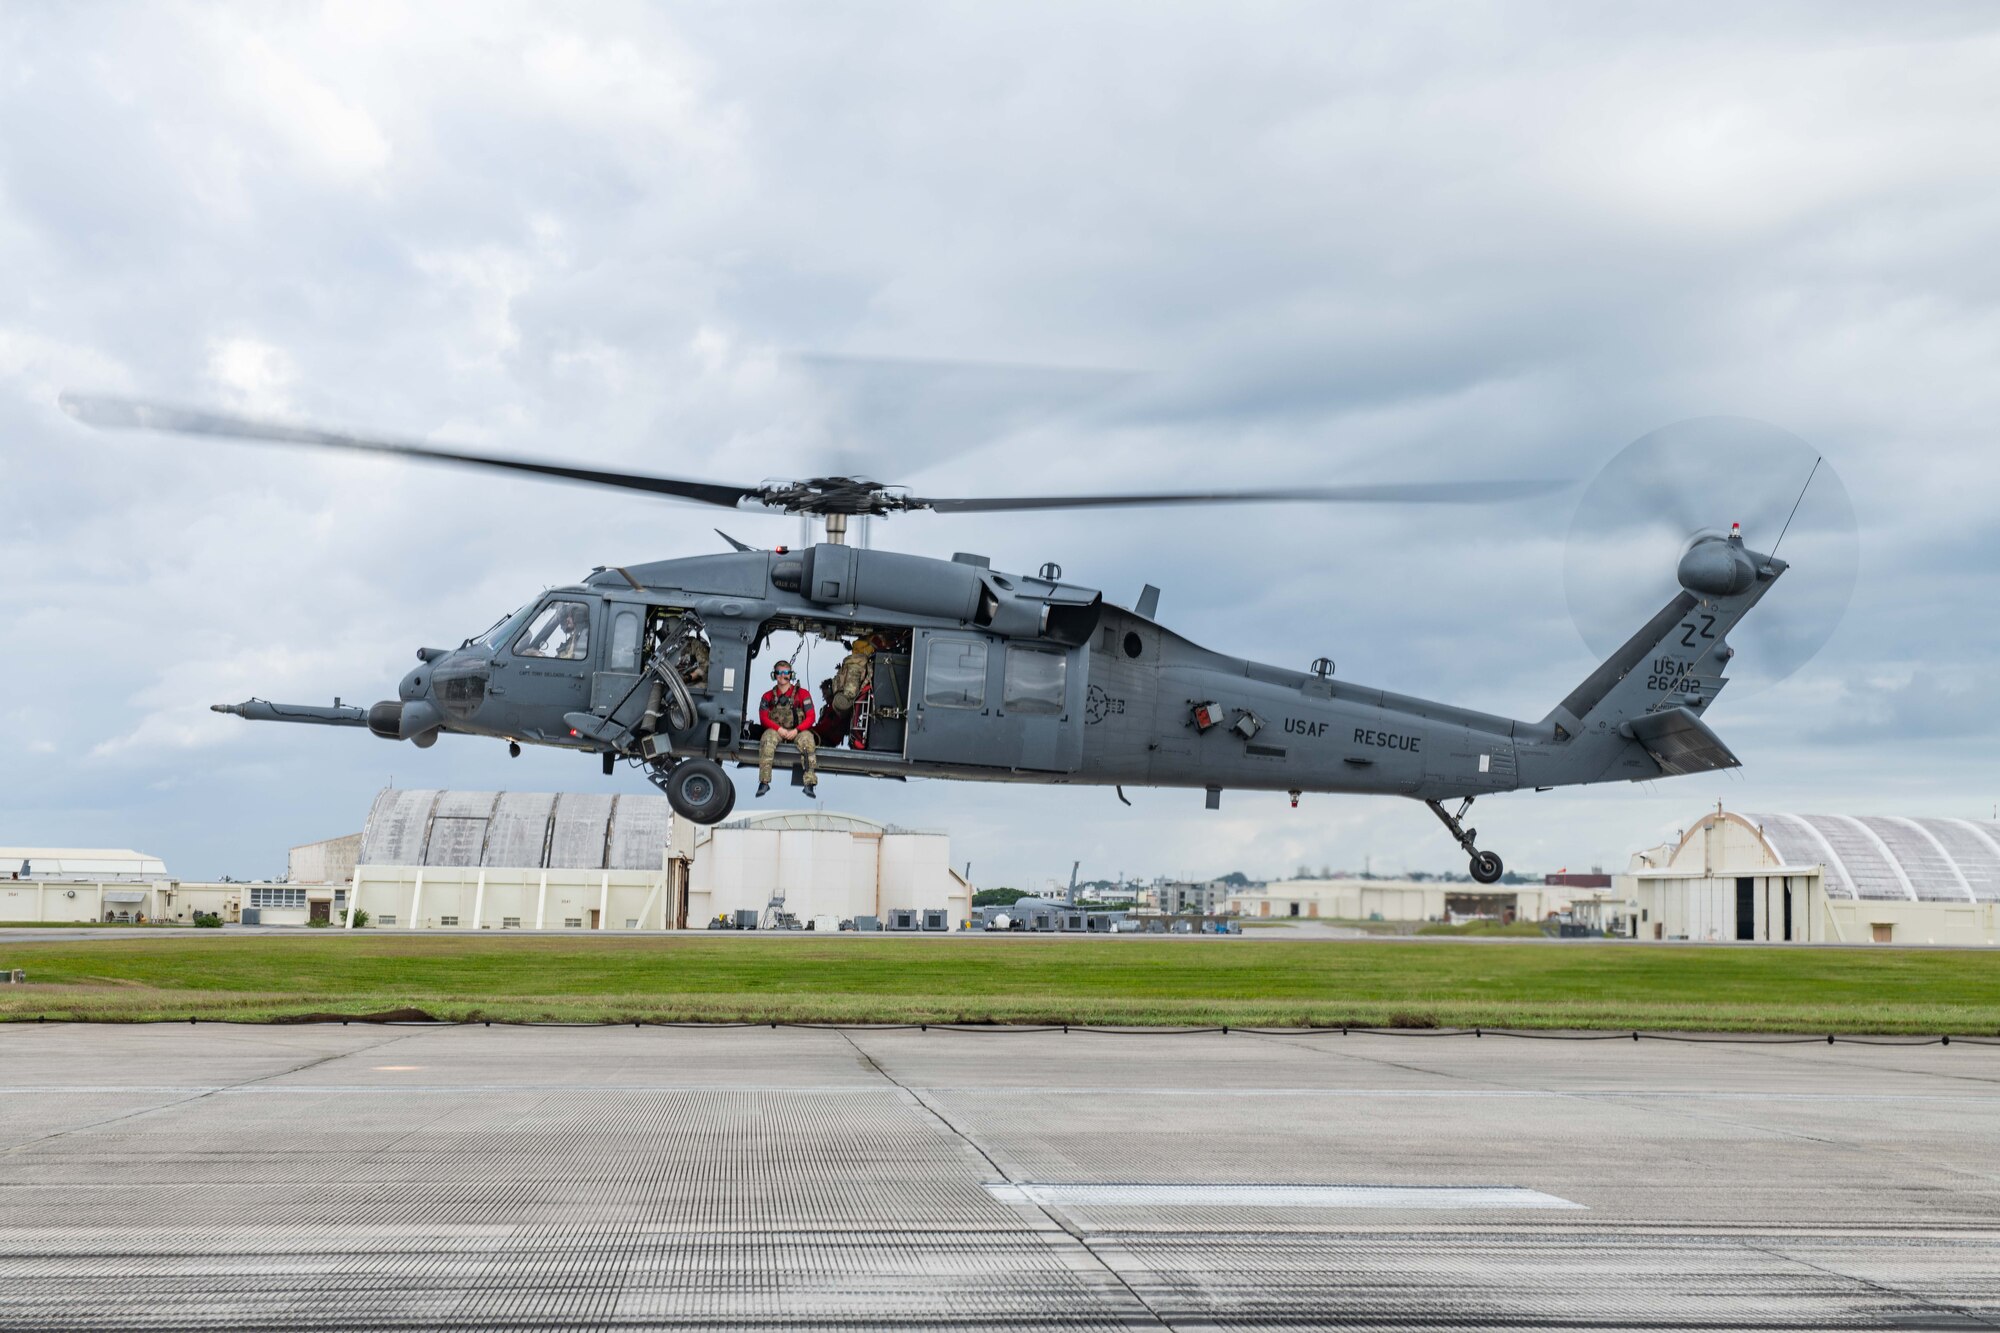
(988, 676)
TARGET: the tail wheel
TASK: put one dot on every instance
(1486, 867)
(700, 790)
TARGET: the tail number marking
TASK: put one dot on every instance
(1673, 676)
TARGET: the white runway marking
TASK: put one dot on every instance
(1007, 1089)
(1278, 1196)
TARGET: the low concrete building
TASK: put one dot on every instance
(329, 861)
(1397, 900)
(122, 900)
(1884, 879)
(1608, 911)
(103, 884)
(79, 863)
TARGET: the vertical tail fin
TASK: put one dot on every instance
(1677, 659)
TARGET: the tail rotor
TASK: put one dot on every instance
(1671, 489)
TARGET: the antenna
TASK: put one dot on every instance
(1796, 503)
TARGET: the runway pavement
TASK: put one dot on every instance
(307, 1178)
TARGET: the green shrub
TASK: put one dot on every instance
(360, 916)
(208, 920)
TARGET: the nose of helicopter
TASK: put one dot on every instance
(416, 685)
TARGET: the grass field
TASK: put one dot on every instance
(1009, 979)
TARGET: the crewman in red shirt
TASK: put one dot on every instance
(787, 714)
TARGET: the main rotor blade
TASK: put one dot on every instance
(1420, 492)
(115, 413)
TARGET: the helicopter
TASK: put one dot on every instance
(986, 675)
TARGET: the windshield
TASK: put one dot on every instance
(560, 629)
(497, 633)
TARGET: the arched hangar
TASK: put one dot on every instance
(1807, 878)
(591, 861)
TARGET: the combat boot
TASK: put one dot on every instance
(763, 789)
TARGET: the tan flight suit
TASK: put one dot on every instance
(852, 677)
(787, 710)
(693, 666)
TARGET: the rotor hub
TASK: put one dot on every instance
(834, 495)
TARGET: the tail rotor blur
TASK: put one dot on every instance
(1667, 490)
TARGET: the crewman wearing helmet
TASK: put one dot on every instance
(853, 675)
(787, 714)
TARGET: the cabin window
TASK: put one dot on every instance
(1034, 680)
(955, 674)
(560, 630)
(625, 641)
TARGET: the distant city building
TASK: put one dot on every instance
(1176, 896)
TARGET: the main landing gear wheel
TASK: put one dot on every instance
(700, 790)
(1486, 867)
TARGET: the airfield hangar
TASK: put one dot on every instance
(461, 860)
(1836, 879)
(110, 884)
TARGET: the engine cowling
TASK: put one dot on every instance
(417, 721)
(386, 719)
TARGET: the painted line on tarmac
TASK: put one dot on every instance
(985, 1090)
(1435, 1197)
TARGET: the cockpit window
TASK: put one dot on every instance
(560, 630)
(625, 640)
(497, 635)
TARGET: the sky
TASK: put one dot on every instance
(984, 249)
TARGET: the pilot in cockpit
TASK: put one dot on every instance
(572, 637)
(560, 630)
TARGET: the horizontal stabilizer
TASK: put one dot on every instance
(1680, 742)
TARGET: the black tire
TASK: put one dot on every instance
(1486, 868)
(700, 790)
(679, 701)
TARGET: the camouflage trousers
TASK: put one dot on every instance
(767, 751)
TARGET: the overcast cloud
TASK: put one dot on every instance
(1318, 243)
